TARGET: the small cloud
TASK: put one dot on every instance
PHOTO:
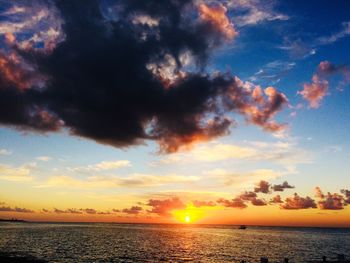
(258, 202)
(233, 203)
(134, 210)
(16, 174)
(335, 37)
(297, 49)
(262, 187)
(255, 12)
(346, 193)
(103, 166)
(16, 209)
(273, 71)
(5, 152)
(315, 92)
(329, 201)
(276, 200)
(281, 187)
(197, 203)
(90, 211)
(43, 158)
(297, 202)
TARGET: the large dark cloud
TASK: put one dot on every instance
(123, 78)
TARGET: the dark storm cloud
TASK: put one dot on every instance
(124, 80)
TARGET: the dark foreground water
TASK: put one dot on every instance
(170, 243)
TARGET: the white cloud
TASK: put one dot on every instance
(131, 181)
(102, 166)
(255, 12)
(5, 152)
(335, 37)
(44, 158)
(228, 178)
(17, 174)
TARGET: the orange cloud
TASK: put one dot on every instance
(164, 207)
(315, 91)
(276, 200)
(216, 16)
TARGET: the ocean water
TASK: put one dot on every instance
(170, 243)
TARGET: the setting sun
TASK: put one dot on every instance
(187, 219)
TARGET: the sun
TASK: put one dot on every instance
(187, 219)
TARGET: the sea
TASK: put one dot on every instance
(112, 242)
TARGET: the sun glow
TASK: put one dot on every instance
(191, 214)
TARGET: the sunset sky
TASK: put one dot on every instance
(177, 111)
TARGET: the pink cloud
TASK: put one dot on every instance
(315, 92)
(298, 202)
(330, 201)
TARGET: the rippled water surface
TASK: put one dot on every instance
(170, 243)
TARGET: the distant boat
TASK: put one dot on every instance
(242, 227)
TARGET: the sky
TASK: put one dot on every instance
(179, 111)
